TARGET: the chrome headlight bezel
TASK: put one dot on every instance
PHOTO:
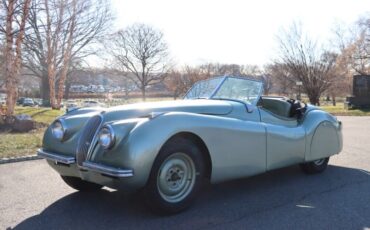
(106, 137)
(59, 129)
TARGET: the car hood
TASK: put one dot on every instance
(213, 107)
(200, 106)
(75, 120)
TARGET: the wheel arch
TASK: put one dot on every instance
(323, 135)
(199, 143)
(325, 141)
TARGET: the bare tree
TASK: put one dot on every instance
(142, 51)
(228, 69)
(360, 48)
(2, 59)
(268, 83)
(220, 69)
(15, 13)
(306, 62)
(176, 83)
(251, 70)
(62, 32)
(124, 80)
(283, 82)
(341, 73)
(352, 43)
(179, 82)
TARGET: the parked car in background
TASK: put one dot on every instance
(20, 100)
(28, 102)
(100, 89)
(37, 101)
(71, 104)
(224, 129)
(2, 101)
(92, 89)
(91, 103)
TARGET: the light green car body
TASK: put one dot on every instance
(237, 140)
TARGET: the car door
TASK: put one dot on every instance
(285, 140)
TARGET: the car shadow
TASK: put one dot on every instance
(283, 198)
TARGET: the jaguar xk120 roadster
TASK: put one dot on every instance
(222, 130)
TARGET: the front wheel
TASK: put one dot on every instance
(176, 177)
(316, 166)
(81, 185)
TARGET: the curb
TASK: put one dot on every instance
(19, 159)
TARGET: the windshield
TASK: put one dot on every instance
(227, 88)
(204, 89)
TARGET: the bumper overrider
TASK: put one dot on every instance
(87, 165)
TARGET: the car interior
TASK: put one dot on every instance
(282, 107)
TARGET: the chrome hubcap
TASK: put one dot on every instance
(319, 162)
(176, 177)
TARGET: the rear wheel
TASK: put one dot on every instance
(316, 166)
(176, 177)
(81, 185)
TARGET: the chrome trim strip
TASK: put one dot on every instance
(56, 157)
(107, 170)
(94, 140)
(218, 87)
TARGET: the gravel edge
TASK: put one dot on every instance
(19, 159)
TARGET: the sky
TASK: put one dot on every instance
(234, 31)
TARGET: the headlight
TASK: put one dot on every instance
(106, 137)
(58, 129)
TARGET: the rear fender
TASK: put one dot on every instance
(323, 135)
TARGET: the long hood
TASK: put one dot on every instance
(76, 120)
(212, 107)
(201, 106)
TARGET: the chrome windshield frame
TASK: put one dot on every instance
(218, 87)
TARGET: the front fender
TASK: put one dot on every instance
(74, 126)
(226, 139)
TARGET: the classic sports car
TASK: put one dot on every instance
(222, 130)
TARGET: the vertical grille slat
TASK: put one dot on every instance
(87, 137)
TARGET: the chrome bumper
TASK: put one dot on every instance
(56, 157)
(107, 170)
(90, 166)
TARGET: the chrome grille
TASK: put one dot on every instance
(86, 138)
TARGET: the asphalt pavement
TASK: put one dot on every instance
(32, 196)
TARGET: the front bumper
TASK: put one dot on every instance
(107, 170)
(56, 157)
(104, 170)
